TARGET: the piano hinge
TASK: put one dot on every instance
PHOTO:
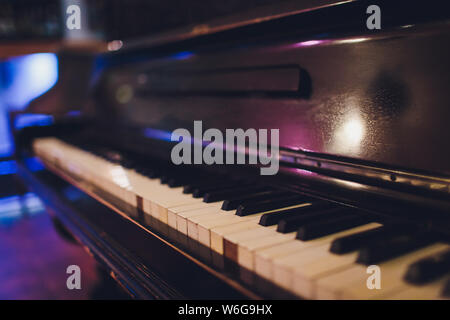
(362, 171)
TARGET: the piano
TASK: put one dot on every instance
(364, 176)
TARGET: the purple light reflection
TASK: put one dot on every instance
(309, 43)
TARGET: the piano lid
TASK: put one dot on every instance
(377, 97)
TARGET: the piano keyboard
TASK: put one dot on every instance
(309, 247)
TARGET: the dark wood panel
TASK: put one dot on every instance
(146, 264)
(379, 98)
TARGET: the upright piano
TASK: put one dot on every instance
(364, 159)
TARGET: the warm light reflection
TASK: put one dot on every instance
(312, 43)
(349, 135)
(119, 176)
(305, 172)
(353, 130)
(353, 40)
(352, 184)
(115, 45)
(309, 43)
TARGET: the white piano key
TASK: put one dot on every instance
(217, 231)
(182, 218)
(174, 211)
(305, 276)
(429, 291)
(265, 257)
(306, 268)
(352, 282)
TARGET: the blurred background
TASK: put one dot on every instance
(45, 69)
(34, 250)
(33, 255)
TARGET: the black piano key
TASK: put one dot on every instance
(394, 247)
(149, 170)
(291, 224)
(233, 204)
(207, 182)
(111, 156)
(446, 289)
(140, 169)
(319, 229)
(429, 268)
(270, 219)
(201, 191)
(128, 163)
(179, 180)
(153, 173)
(214, 196)
(358, 240)
(172, 173)
(262, 206)
(164, 178)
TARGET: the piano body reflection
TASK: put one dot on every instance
(364, 176)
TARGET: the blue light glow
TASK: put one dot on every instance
(157, 134)
(34, 164)
(73, 113)
(27, 119)
(72, 193)
(183, 55)
(30, 76)
(8, 167)
(12, 208)
(23, 79)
